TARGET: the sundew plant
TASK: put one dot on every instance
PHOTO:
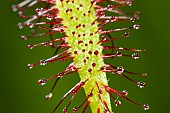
(85, 40)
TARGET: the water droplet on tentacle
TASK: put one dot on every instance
(146, 107)
(126, 34)
(48, 96)
(118, 102)
(119, 54)
(49, 16)
(141, 84)
(65, 110)
(145, 74)
(20, 25)
(42, 81)
(125, 92)
(31, 25)
(120, 69)
(14, 7)
(23, 37)
(43, 62)
(75, 109)
(136, 26)
(30, 66)
(30, 46)
(132, 19)
(130, 2)
(135, 56)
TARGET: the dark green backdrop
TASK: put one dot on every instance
(20, 92)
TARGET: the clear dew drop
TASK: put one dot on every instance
(110, 6)
(65, 110)
(118, 103)
(136, 26)
(75, 109)
(56, 27)
(40, 11)
(47, 44)
(132, 19)
(14, 7)
(145, 74)
(130, 2)
(30, 66)
(141, 84)
(21, 15)
(125, 92)
(120, 69)
(49, 16)
(146, 107)
(42, 81)
(103, 38)
(30, 25)
(43, 62)
(137, 14)
(37, 10)
(30, 46)
(136, 56)
(48, 96)
(20, 25)
(119, 54)
(126, 34)
(23, 37)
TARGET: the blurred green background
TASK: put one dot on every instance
(20, 92)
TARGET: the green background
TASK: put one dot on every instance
(20, 92)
